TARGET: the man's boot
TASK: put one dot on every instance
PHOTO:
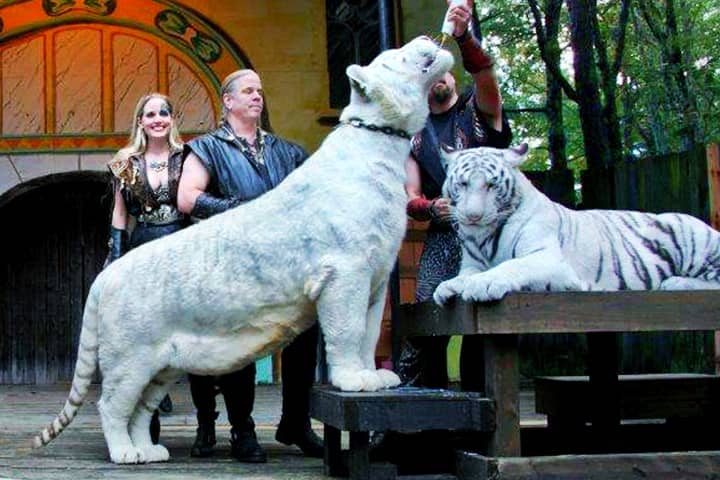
(205, 437)
(244, 444)
(301, 435)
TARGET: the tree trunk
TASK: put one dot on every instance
(594, 130)
(556, 128)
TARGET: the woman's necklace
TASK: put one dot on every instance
(157, 165)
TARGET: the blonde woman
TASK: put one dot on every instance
(145, 176)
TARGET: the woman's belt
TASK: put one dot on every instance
(162, 215)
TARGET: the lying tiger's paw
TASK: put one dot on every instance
(448, 289)
(484, 288)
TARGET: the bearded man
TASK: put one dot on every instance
(458, 121)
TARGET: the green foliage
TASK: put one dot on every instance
(652, 116)
(658, 116)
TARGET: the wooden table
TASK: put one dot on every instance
(600, 315)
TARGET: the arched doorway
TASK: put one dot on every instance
(55, 240)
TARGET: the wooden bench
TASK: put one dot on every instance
(600, 315)
(399, 410)
(653, 396)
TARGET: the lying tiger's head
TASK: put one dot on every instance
(481, 184)
(392, 90)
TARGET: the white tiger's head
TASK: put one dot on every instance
(481, 184)
(392, 90)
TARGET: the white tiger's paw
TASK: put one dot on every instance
(126, 455)
(388, 378)
(349, 380)
(484, 288)
(155, 453)
(346, 379)
(372, 381)
(448, 289)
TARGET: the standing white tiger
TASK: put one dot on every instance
(242, 284)
(516, 239)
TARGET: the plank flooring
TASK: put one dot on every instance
(79, 453)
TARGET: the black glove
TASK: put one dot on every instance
(207, 205)
(118, 243)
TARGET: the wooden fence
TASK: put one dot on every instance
(680, 182)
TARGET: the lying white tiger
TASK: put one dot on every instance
(216, 296)
(516, 239)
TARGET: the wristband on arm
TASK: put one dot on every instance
(474, 57)
(118, 244)
(206, 205)
(420, 208)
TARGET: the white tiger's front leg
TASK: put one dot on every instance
(372, 333)
(450, 288)
(454, 286)
(540, 271)
(342, 312)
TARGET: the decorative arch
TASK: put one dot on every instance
(71, 72)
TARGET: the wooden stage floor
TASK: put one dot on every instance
(79, 453)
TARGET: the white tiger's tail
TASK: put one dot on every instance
(84, 371)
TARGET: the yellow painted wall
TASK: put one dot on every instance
(285, 41)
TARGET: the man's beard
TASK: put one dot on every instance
(441, 92)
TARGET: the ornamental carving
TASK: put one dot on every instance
(175, 24)
(56, 8)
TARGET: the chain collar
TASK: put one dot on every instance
(357, 123)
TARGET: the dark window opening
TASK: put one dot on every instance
(353, 36)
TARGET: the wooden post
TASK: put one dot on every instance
(502, 384)
(713, 169)
(604, 387)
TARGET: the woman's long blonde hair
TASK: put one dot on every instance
(137, 143)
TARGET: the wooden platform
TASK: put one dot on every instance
(511, 452)
(400, 410)
(652, 466)
(657, 396)
(404, 409)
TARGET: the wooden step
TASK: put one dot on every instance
(405, 409)
(650, 396)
